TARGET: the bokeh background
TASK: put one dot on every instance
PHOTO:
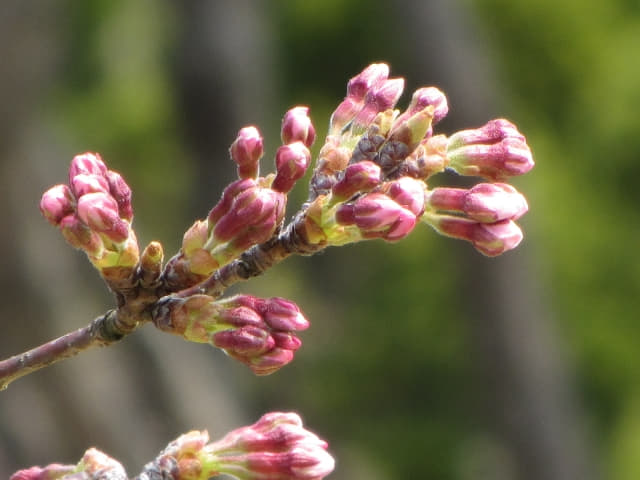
(424, 360)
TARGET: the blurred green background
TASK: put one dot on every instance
(424, 360)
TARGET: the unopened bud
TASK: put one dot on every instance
(292, 161)
(246, 151)
(377, 216)
(57, 203)
(79, 235)
(86, 163)
(297, 127)
(490, 239)
(121, 193)
(495, 151)
(407, 192)
(379, 99)
(427, 97)
(100, 212)
(53, 471)
(277, 446)
(371, 76)
(485, 202)
(358, 177)
(84, 183)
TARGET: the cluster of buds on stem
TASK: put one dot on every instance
(258, 332)
(94, 213)
(371, 177)
(251, 209)
(276, 447)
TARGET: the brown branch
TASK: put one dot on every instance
(101, 332)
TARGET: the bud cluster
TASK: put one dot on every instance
(251, 208)
(258, 332)
(370, 180)
(275, 447)
(94, 213)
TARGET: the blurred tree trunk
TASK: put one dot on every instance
(528, 393)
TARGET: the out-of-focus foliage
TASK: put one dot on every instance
(572, 74)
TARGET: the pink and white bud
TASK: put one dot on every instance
(292, 161)
(253, 217)
(377, 216)
(228, 195)
(379, 99)
(407, 192)
(358, 177)
(495, 151)
(490, 239)
(57, 203)
(100, 212)
(86, 163)
(121, 192)
(297, 127)
(275, 447)
(371, 76)
(423, 98)
(53, 471)
(96, 464)
(246, 151)
(79, 235)
(257, 332)
(485, 202)
(84, 183)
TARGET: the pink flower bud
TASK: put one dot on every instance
(230, 193)
(377, 216)
(253, 214)
(86, 163)
(485, 202)
(282, 314)
(427, 97)
(408, 193)
(99, 465)
(490, 239)
(100, 212)
(371, 76)
(379, 99)
(121, 193)
(50, 472)
(358, 177)
(495, 151)
(84, 183)
(292, 161)
(244, 342)
(57, 203)
(79, 235)
(277, 447)
(246, 151)
(297, 127)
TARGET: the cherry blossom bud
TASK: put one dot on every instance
(257, 332)
(81, 236)
(87, 163)
(379, 99)
(100, 212)
(358, 177)
(246, 151)
(377, 216)
(292, 161)
(96, 464)
(490, 239)
(195, 237)
(121, 193)
(84, 183)
(485, 202)
(427, 97)
(407, 192)
(57, 203)
(228, 196)
(277, 446)
(297, 127)
(495, 151)
(371, 76)
(53, 471)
